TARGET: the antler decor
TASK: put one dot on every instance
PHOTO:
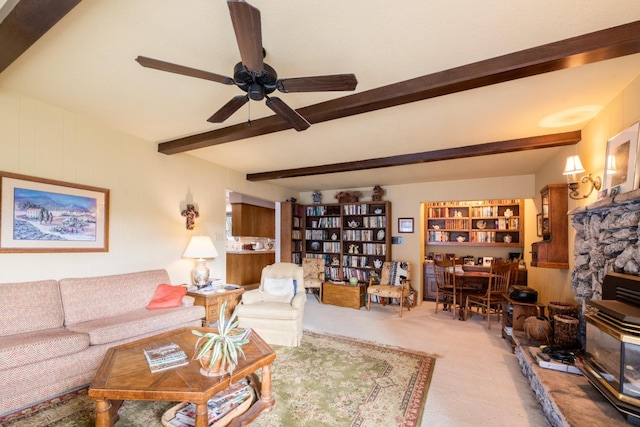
(190, 213)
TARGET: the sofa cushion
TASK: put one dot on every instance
(30, 306)
(93, 298)
(278, 290)
(136, 322)
(33, 347)
(167, 296)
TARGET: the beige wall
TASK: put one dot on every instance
(147, 191)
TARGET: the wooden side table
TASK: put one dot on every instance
(212, 303)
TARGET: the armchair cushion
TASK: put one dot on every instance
(278, 290)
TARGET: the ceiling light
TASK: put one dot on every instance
(571, 116)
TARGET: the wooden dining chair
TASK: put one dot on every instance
(492, 298)
(445, 278)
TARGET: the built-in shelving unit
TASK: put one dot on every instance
(354, 239)
(475, 223)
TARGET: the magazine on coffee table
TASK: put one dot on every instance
(165, 356)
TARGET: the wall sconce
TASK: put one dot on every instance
(200, 247)
(572, 169)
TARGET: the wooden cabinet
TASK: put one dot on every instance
(354, 239)
(553, 250)
(246, 268)
(252, 221)
(429, 291)
(291, 229)
(475, 223)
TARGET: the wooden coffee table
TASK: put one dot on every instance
(124, 375)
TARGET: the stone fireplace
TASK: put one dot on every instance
(606, 240)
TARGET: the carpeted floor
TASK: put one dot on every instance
(327, 381)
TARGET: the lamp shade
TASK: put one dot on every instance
(573, 166)
(200, 247)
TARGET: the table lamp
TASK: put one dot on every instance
(200, 247)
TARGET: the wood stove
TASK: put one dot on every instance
(612, 347)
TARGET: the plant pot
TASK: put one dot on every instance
(215, 370)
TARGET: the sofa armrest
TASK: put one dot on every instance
(188, 301)
(298, 300)
(251, 297)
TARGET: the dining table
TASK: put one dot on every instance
(471, 279)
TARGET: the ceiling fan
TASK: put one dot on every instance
(255, 77)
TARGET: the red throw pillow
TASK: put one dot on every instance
(167, 296)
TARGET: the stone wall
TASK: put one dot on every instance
(606, 240)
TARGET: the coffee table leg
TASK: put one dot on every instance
(202, 415)
(103, 413)
(265, 392)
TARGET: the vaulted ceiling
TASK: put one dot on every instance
(416, 52)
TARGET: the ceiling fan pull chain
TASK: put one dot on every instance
(249, 115)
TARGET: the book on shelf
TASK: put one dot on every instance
(165, 356)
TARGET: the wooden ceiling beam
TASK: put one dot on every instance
(500, 147)
(26, 23)
(585, 49)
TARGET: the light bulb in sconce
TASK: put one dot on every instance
(572, 168)
(200, 247)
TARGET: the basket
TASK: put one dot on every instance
(170, 414)
(556, 307)
(565, 334)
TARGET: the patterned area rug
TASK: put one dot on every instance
(327, 381)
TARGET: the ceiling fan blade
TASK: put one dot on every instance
(228, 109)
(248, 29)
(181, 69)
(337, 82)
(290, 115)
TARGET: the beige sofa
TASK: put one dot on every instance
(54, 334)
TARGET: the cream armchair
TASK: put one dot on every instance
(275, 309)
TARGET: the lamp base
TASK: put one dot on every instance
(200, 274)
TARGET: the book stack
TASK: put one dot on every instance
(165, 356)
(220, 405)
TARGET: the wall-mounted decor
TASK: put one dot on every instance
(405, 225)
(42, 215)
(620, 168)
(190, 213)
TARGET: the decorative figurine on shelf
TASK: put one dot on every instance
(317, 197)
(378, 192)
(353, 249)
(348, 196)
(190, 213)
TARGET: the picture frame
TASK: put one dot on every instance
(44, 215)
(486, 261)
(623, 148)
(539, 225)
(405, 225)
(468, 260)
(438, 256)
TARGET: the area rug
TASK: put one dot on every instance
(326, 381)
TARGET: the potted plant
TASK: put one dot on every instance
(218, 352)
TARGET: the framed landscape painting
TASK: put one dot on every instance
(622, 153)
(42, 215)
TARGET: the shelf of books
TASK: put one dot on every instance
(497, 222)
(291, 232)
